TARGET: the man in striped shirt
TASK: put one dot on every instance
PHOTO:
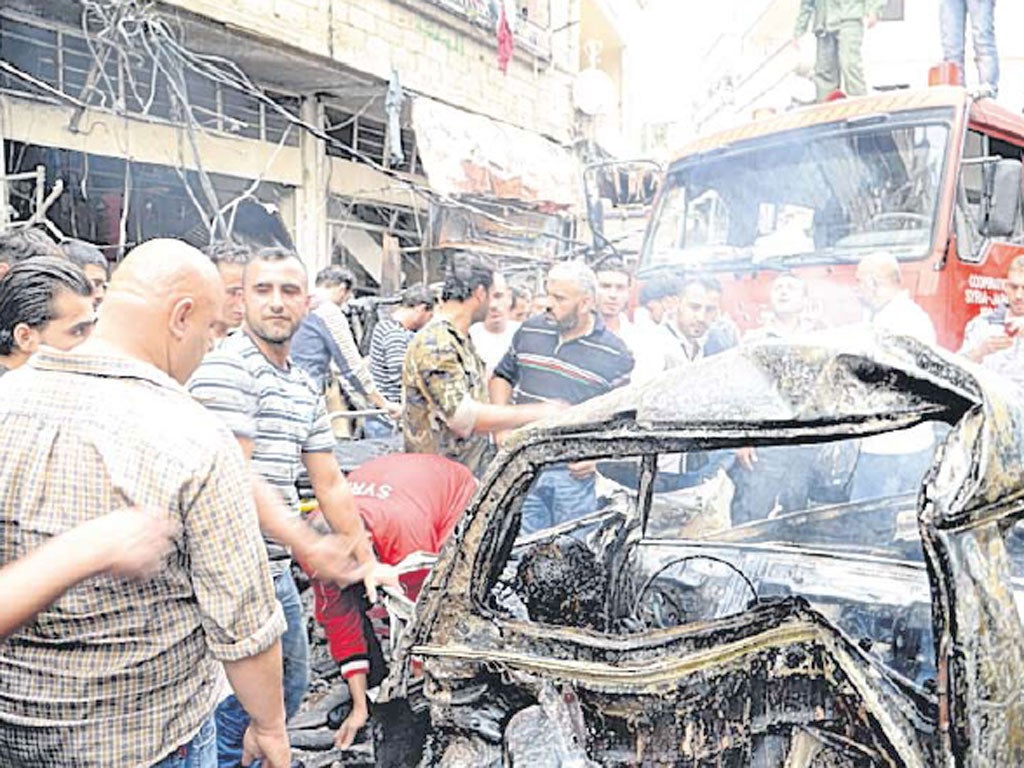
(324, 335)
(568, 355)
(390, 339)
(279, 418)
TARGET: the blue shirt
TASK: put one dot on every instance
(540, 366)
(312, 350)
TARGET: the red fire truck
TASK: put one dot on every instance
(932, 177)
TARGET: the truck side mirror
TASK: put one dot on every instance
(1003, 204)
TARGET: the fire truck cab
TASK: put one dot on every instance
(932, 177)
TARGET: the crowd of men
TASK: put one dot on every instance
(155, 428)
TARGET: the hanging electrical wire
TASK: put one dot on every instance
(142, 41)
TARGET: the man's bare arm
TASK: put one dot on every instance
(256, 681)
(125, 542)
(331, 558)
(491, 418)
(500, 391)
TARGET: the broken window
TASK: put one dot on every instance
(833, 522)
(104, 77)
(829, 194)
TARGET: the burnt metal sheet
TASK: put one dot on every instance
(768, 392)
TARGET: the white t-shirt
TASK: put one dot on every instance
(902, 316)
(492, 346)
(655, 349)
(1007, 362)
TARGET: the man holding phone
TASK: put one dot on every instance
(991, 338)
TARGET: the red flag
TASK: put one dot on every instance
(505, 41)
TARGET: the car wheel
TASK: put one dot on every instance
(399, 734)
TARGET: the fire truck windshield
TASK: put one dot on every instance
(822, 195)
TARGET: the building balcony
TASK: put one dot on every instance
(527, 30)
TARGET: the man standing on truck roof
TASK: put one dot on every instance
(838, 27)
(993, 338)
(952, 23)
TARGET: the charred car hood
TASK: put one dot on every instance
(708, 692)
(859, 386)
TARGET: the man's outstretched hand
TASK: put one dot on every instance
(130, 542)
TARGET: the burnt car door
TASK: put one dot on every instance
(604, 640)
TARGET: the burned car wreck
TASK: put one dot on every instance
(659, 631)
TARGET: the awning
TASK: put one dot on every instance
(469, 154)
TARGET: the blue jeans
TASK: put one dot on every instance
(881, 474)
(201, 752)
(232, 719)
(375, 426)
(556, 497)
(952, 23)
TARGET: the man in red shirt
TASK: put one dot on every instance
(409, 502)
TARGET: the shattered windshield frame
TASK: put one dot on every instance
(968, 512)
(826, 194)
(883, 604)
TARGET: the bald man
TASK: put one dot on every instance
(893, 462)
(120, 672)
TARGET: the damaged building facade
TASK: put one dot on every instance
(365, 132)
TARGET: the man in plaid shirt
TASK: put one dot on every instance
(127, 673)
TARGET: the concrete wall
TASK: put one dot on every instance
(159, 143)
(436, 52)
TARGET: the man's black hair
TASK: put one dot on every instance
(275, 253)
(518, 293)
(81, 253)
(464, 273)
(18, 245)
(704, 281)
(659, 288)
(228, 252)
(335, 275)
(28, 290)
(613, 264)
(417, 295)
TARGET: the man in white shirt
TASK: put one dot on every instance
(993, 338)
(698, 307)
(613, 285)
(493, 336)
(893, 462)
(656, 349)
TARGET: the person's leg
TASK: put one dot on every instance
(536, 510)
(826, 65)
(758, 488)
(983, 30)
(869, 476)
(375, 427)
(952, 16)
(294, 644)
(851, 63)
(232, 720)
(796, 473)
(909, 470)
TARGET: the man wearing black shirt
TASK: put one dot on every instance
(567, 355)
